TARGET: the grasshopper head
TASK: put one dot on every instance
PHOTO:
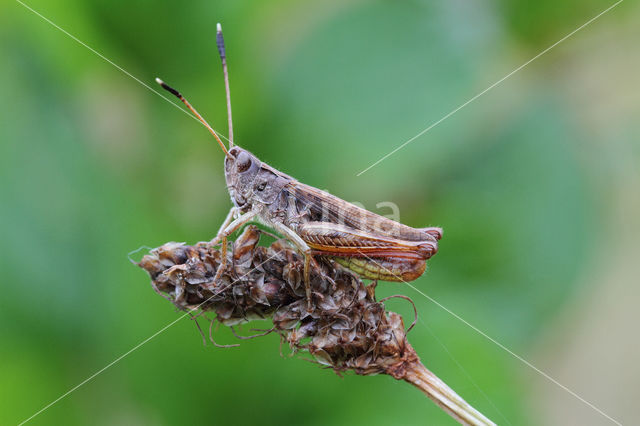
(251, 181)
(241, 170)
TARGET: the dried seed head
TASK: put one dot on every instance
(345, 329)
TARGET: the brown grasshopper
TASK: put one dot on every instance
(316, 222)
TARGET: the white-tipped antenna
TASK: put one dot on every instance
(177, 94)
(223, 57)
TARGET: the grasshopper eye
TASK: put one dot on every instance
(243, 162)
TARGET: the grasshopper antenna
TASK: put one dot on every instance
(178, 95)
(223, 57)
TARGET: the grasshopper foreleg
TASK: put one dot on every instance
(233, 214)
(229, 226)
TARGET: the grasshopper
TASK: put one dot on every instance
(316, 222)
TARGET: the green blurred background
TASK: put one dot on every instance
(536, 185)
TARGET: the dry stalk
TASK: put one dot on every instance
(346, 329)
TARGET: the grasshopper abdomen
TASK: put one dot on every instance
(396, 270)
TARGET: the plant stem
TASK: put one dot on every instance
(418, 375)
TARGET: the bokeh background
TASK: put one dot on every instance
(536, 185)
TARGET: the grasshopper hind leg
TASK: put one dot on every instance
(433, 231)
(307, 278)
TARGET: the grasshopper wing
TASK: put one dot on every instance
(320, 206)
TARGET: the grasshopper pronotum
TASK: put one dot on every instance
(316, 222)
